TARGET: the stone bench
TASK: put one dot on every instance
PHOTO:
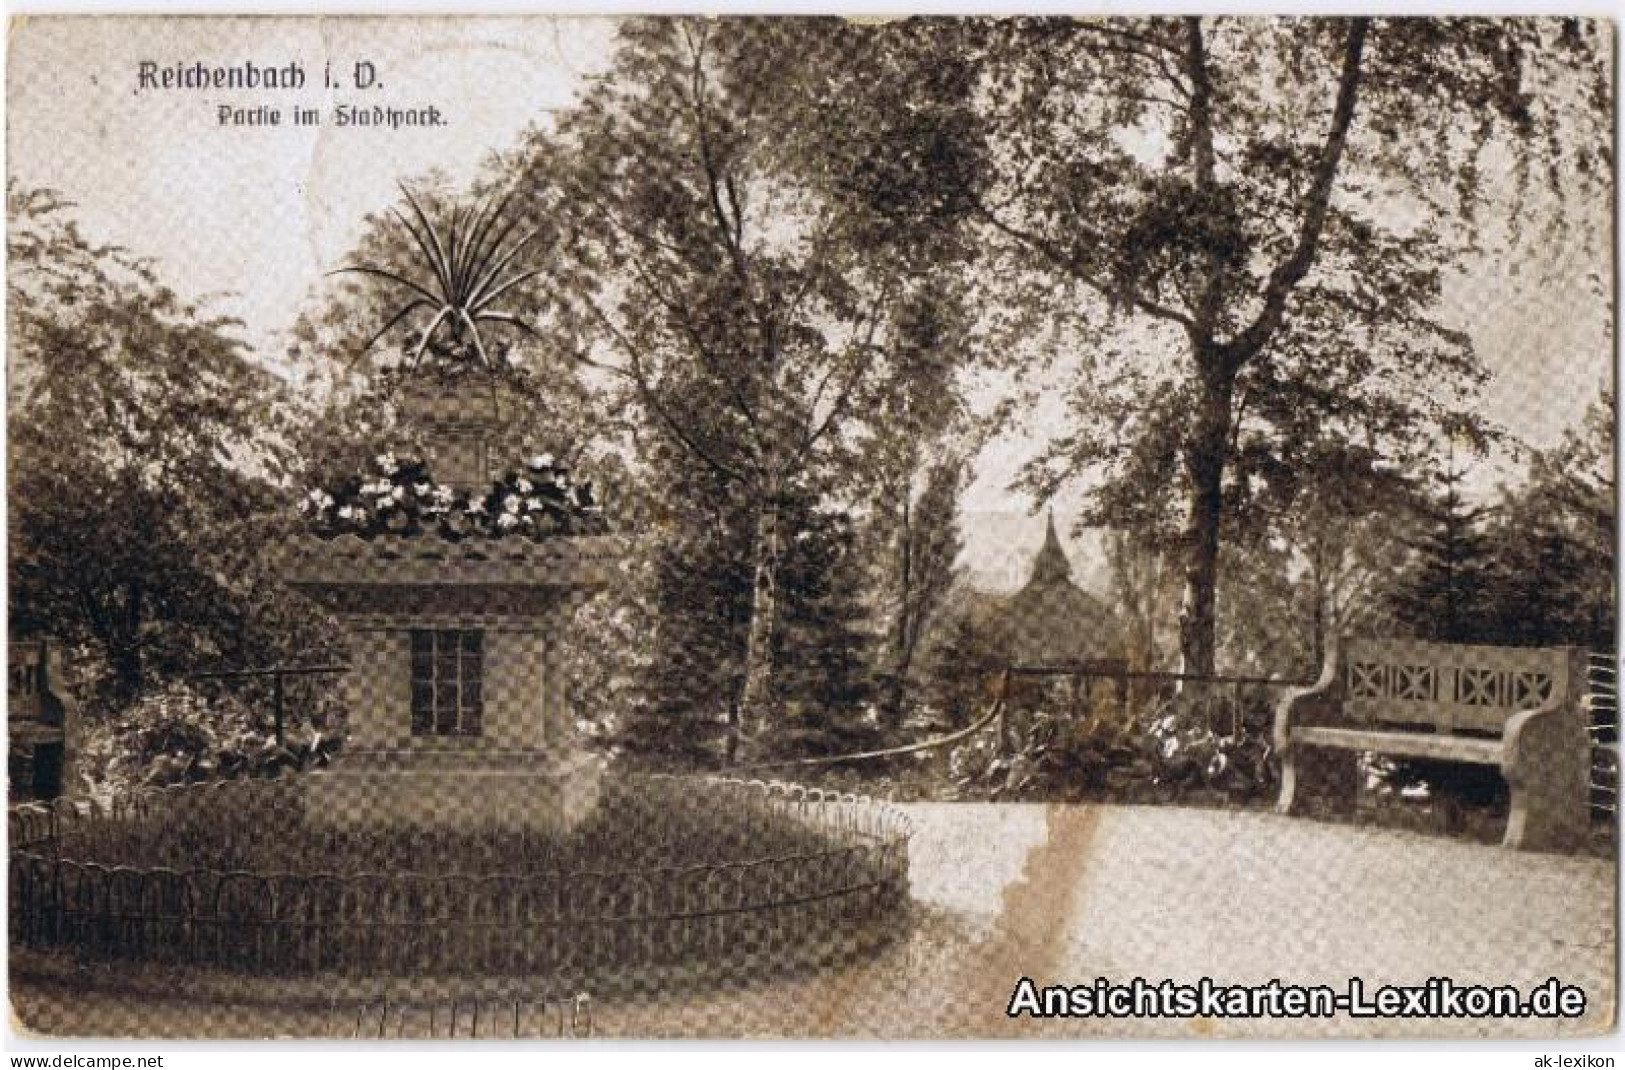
(1517, 709)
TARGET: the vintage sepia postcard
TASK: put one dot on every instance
(999, 527)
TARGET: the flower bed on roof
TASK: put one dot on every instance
(538, 500)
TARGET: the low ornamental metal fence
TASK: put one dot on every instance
(269, 686)
(467, 1018)
(835, 891)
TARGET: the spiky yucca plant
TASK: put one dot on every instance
(471, 266)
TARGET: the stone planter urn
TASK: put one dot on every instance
(458, 709)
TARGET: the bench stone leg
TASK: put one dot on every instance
(1328, 774)
(1549, 777)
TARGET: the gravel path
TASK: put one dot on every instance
(1071, 893)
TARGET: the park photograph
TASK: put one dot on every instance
(767, 528)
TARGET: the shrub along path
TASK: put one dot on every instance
(1069, 893)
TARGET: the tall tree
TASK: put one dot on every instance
(1144, 589)
(1277, 200)
(352, 348)
(1345, 522)
(700, 615)
(1555, 542)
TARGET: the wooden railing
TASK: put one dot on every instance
(276, 674)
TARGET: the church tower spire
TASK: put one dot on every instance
(1050, 567)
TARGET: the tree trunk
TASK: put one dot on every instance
(126, 659)
(1206, 455)
(755, 694)
(1148, 635)
(1319, 652)
(730, 756)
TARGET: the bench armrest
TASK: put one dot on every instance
(1321, 704)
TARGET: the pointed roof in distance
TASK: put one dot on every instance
(1050, 567)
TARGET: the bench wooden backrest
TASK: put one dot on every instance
(25, 681)
(1450, 686)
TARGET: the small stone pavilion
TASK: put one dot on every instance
(1051, 621)
(457, 704)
